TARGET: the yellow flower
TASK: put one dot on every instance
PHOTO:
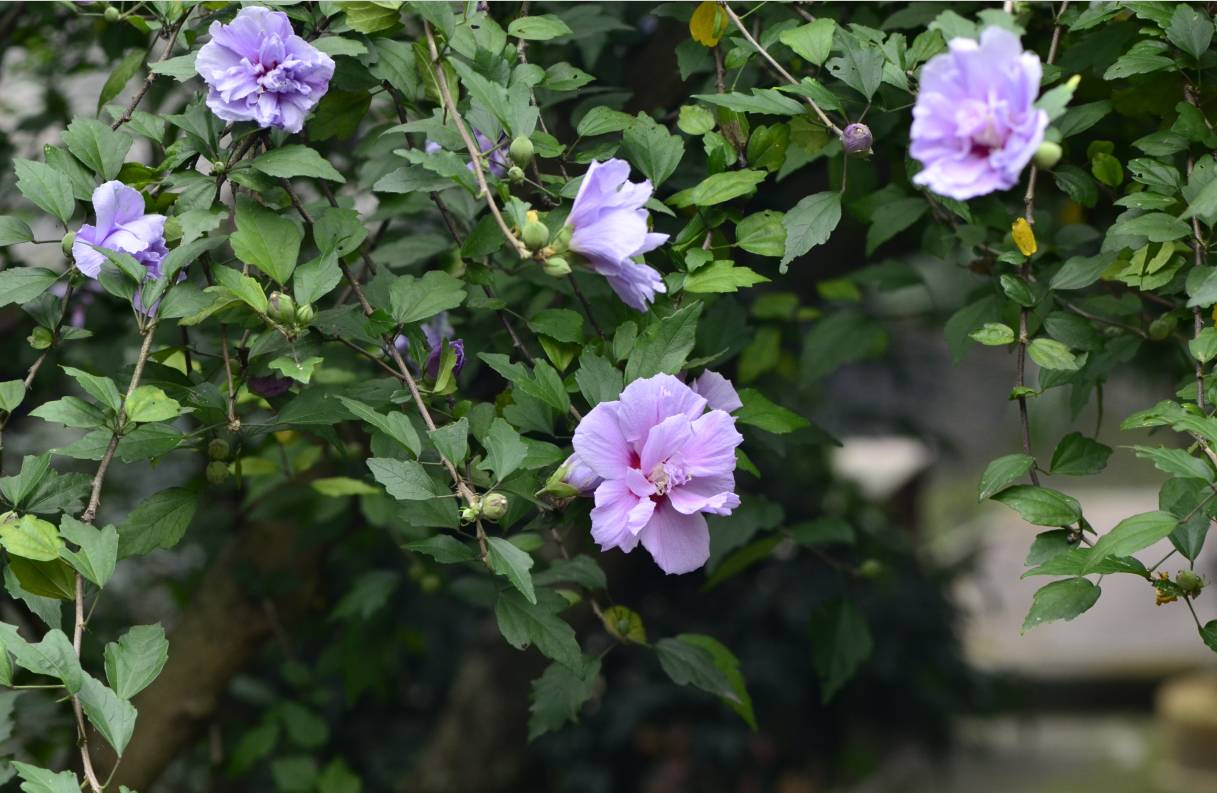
(708, 23)
(1024, 237)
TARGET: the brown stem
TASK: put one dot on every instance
(143, 89)
(233, 424)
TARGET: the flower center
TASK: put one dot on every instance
(667, 475)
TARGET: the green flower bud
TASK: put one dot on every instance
(535, 235)
(111, 14)
(69, 240)
(218, 167)
(40, 338)
(872, 569)
(430, 583)
(217, 472)
(470, 513)
(1163, 327)
(1189, 582)
(516, 174)
(304, 315)
(494, 506)
(561, 243)
(521, 151)
(1047, 155)
(282, 308)
(556, 490)
(218, 449)
(556, 266)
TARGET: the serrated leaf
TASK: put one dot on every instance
(1061, 600)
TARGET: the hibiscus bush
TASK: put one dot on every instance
(442, 375)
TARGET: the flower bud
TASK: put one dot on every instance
(470, 513)
(282, 308)
(535, 235)
(1189, 582)
(111, 14)
(304, 315)
(69, 240)
(494, 506)
(561, 243)
(1047, 155)
(218, 449)
(856, 140)
(521, 151)
(40, 338)
(516, 174)
(430, 583)
(1163, 327)
(218, 167)
(217, 472)
(872, 569)
(556, 267)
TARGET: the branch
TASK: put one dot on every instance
(739, 24)
(139, 95)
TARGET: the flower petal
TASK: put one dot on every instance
(619, 516)
(678, 543)
(645, 403)
(718, 391)
(115, 203)
(665, 440)
(711, 449)
(714, 494)
(599, 443)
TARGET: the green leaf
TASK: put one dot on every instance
(12, 394)
(525, 622)
(1077, 455)
(30, 537)
(396, 425)
(113, 717)
(810, 223)
(860, 67)
(891, 218)
(14, 230)
(158, 522)
(598, 380)
(22, 284)
(761, 100)
(664, 345)
(811, 42)
(148, 403)
(100, 388)
(40, 780)
(49, 189)
(538, 28)
(1133, 534)
(558, 695)
(444, 549)
(1190, 30)
(581, 570)
(1154, 226)
(719, 188)
(316, 278)
(505, 451)
(513, 564)
(1061, 600)
(560, 324)
(244, 288)
(1208, 634)
(1176, 462)
(1041, 505)
(694, 120)
(415, 299)
(96, 145)
(266, 240)
(1002, 472)
(1079, 272)
(181, 68)
(653, 149)
(405, 480)
(339, 486)
(98, 552)
(841, 642)
(53, 656)
(286, 162)
(127, 68)
(722, 276)
(762, 233)
(1051, 354)
(298, 369)
(729, 665)
(452, 440)
(993, 334)
(371, 17)
(690, 664)
(135, 660)
(759, 411)
(1204, 346)
(601, 120)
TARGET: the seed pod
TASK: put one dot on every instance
(521, 151)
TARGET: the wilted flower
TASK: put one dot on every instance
(258, 69)
(664, 461)
(975, 125)
(496, 161)
(610, 229)
(121, 226)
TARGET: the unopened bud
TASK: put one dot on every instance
(218, 167)
(40, 338)
(494, 506)
(470, 513)
(856, 140)
(69, 240)
(1047, 155)
(561, 243)
(1189, 582)
(1163, 327)
(871, 568)
(521, 151)
(304, 315)
(556, 267)
(282, 308)
(430, 583)
(218, 449)
(516, 174)
(217, 472)
(535, 234)
(111, 14)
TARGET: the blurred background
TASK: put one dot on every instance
(400, 677)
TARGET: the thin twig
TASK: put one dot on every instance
(143, 90)
(233, 424)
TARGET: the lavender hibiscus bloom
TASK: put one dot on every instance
(609, 228)
(258, 69)
(717, 391)
(975, 125)
(122, 226)
(665, 461)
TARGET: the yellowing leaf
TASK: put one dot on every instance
(708, 24)
(1024, 237)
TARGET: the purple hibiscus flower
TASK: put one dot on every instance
(609, 228)
(436, 331)
(496, 161)
(665, 461)
(122, 226)
(975, 125)
(257, 69)
(717, 391)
